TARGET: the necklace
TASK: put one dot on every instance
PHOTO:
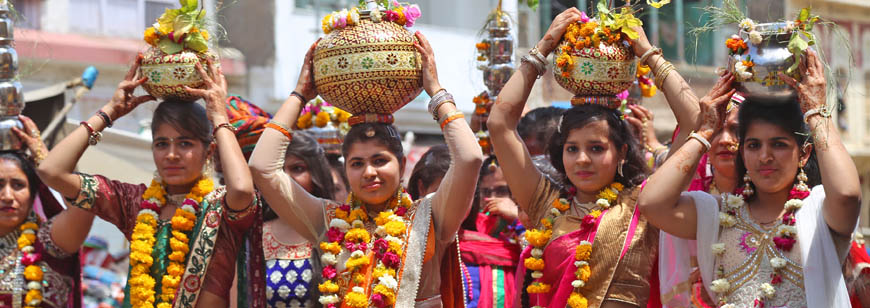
(29, 258)
(784, 237)
(142, 284)
(539, 238)
(348, 232)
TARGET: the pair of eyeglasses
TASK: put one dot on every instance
(497, 192)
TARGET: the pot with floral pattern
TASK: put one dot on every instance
(603, 70)
(756, 59)
(168, 74)
(370, 67)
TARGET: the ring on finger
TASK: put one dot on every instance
(35, 134)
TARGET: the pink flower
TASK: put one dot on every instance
(758, 304)
(390, 259)
(583, 17)
(776, 279)
(572, 191)
(329, 272)
(788, 219)
(30, 258)
(341, 22)
(150, 205)
(412, 12)
(783, 243)
(190, 202)
(335, 235)
(622, 95)
(378, 300)
(401, 211)
(390, 15)
(588, 221)
(797, 194)
(344, 207)
(381, 245)
(395, 3)
(330, 306)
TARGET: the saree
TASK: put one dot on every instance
(490, 264)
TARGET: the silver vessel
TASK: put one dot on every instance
(770, 57)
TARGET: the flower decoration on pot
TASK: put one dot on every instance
(178, 40)
(594, 57)
(366, 62)
(327, 123)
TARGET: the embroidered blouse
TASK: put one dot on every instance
(58, 283)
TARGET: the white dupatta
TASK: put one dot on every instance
(824, 285)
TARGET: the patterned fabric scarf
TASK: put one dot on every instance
(249, 121)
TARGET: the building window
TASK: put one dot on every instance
(118, 18)
(29, 13)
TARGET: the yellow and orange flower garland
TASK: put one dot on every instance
(538, 238)
(347, 231)
(608, 28)
(29, 258)
(142, 293)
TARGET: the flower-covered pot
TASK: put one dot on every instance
(768, 57)
(605, 70)
(168, 74)
(371, 67)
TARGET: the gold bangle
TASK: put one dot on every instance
(663, 74)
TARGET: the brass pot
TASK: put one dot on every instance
(169, 74)
(605, 70)
(371, 67)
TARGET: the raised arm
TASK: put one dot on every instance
(287, 198)
(660, 201)
(57, 169)
(516, 162)
(839, 174)
(452, 200)
(678, 93)
(66, 231)
(240, 188)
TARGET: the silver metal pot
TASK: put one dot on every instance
(6, 29)
(8, 140)
(8, 62)
(496, 75)
(11, 98)
(770, 57)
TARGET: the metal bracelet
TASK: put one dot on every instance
(536, 63)
(649, 53)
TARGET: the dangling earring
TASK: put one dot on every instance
(747, 186)
(802, 179)
(206, 168)
(619, 169)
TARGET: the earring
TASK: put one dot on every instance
(206, 168)
(157, 177)
(802, 179)
(747, 186)
(619, 168)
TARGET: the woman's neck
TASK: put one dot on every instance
(180, 189)
(583, 197)
(724, 183)
(5, 231)
(769, 206)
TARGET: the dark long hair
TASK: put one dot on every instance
(787, 116)
(634, 169)
(184, 116)
(306, 148)
(385, 134)
(432, 166)
(27, 168)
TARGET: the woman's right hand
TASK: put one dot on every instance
(640, 45)
(305, 85)
(557, 29)
(123, 100)
(713, 105)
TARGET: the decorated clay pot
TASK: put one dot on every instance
(605, 70)
(769, 58)
(168, 74)
(371, 67)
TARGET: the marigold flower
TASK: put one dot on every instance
(33, 295)
(538, 287)
(334, 248)
(322, 119)
(328, 287)
(357, 235)
(33, 273)
(583, 252)
(534, 264)
(356, 300)
(395, 228)
(577, 300)
(583, 272)
(389, 295)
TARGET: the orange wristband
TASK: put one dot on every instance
(450, 117)
(276, 126)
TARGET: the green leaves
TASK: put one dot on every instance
(796, 45)
(196, 41)
(169, 47)
(188, 5)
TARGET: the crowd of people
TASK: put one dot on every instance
(750, 204)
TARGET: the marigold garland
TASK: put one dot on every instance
(347, 231)
(142, 292)
(539, 237)
(29, 258)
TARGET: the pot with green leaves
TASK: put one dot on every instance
(178, 41)
(762, 51)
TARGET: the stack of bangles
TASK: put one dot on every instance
(281, 128)
(661, 73)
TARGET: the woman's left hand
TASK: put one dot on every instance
(214, 93)
(31, 138)
(642, 120)
(504, 207)
(427, 58)
(812, 87)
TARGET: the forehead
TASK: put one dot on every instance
(764, 130)
(494, 178)
(10, 169)
(367, 148)
(597, 131)
(168, 131)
